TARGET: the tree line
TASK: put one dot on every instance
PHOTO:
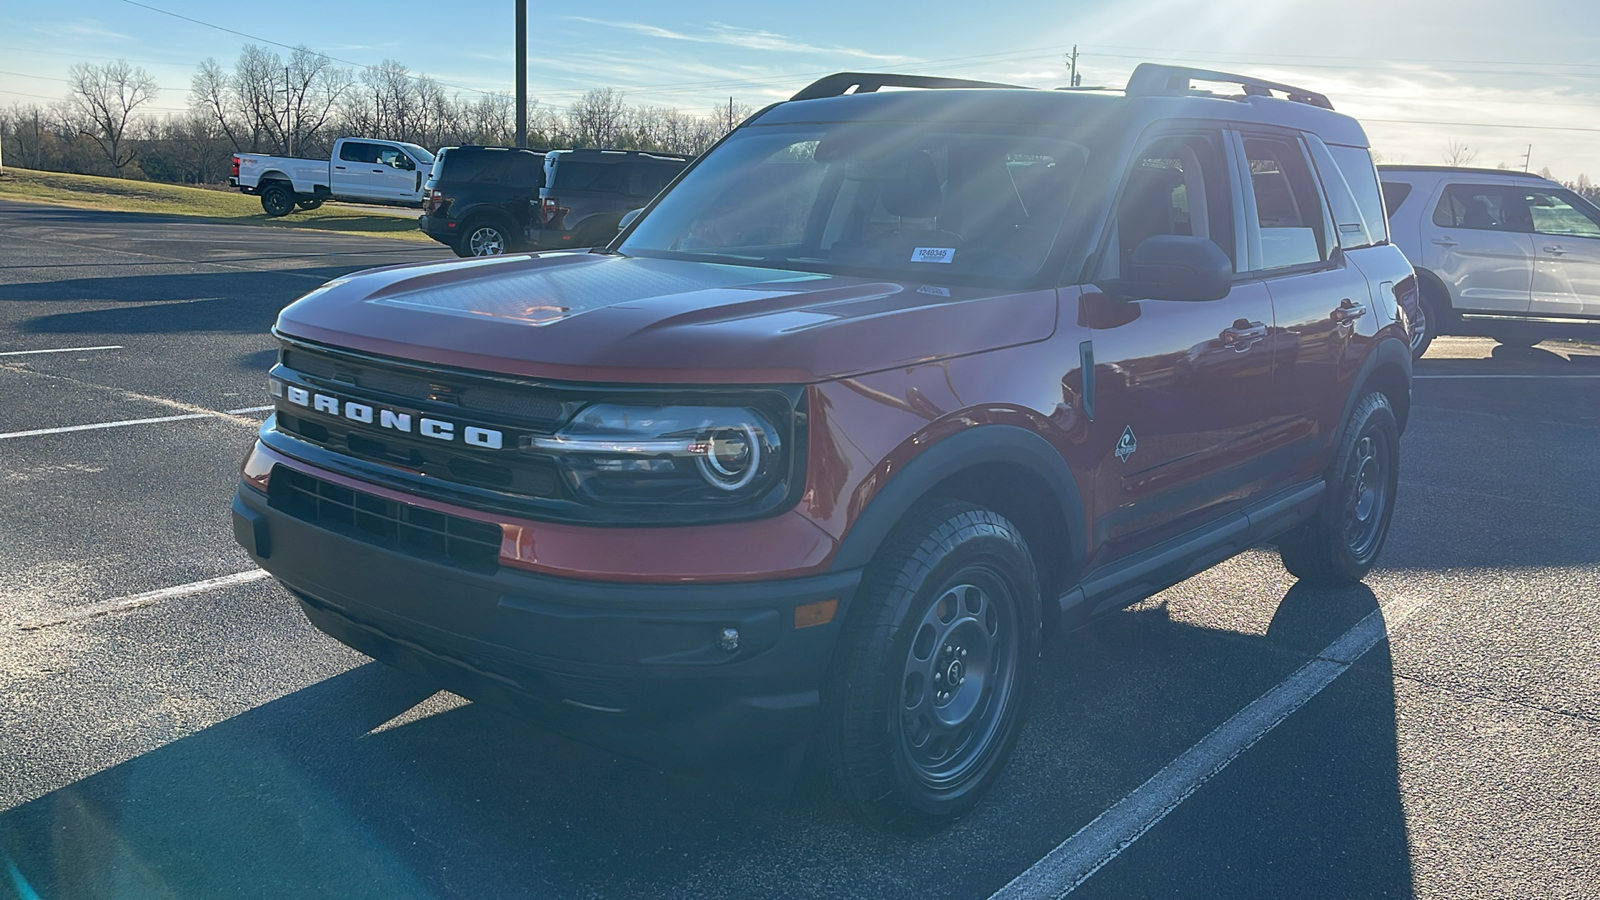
(296, 106)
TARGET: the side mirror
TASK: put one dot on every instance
(628, 217)
(1177, 267)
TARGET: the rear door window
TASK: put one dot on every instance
(1483, 207)
(1288, 209)
(356, 151)
(586, 175)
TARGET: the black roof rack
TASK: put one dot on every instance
(1153, 79)
(867, 82)
(1470, 170)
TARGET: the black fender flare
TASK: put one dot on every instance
(975, 446)
(1390, 351)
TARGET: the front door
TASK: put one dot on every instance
(1566, 237)
(394, 176)
(1181, 388)
(1477, 243)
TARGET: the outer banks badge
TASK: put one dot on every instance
(1127, 444)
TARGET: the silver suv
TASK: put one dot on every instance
(1501, 254)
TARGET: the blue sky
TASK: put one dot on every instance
(1503, 75)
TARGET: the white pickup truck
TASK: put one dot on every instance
(362, 170)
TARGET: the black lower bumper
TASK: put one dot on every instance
(646, 670)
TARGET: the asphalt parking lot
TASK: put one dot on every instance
(168, 731)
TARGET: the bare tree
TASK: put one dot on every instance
(211, 94)
(597, 119)
(1459, 154)
(103, 98)
(314, 87)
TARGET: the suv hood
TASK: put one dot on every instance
(593, 317)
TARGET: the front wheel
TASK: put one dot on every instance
(277, 200)
(1341, 541)
(935, 667)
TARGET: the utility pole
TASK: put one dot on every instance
(1072, 62)
(288, 136)
(522, 73)
(1527, 157)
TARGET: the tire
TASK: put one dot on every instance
(952, 596)
(1342, 540)
(308, 205)
(1426, 325)
(277, 199)
(483, 237)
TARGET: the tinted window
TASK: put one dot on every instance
(526, 170)
(1178, 185)
(1394, 194)
(1361, 176)
(1561, 213)
(356, 151)
(1484, 207)
(394, 157)
(585, 175)
(1287, 208)
(648, 178)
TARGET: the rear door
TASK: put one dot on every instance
(353, 162)
(1477, 242)
(1182, 387)
(1566, 233)
(1322, 305)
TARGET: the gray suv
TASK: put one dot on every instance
(1498, 253)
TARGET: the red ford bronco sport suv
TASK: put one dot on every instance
(878, 392)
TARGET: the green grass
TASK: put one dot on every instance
(230, 206)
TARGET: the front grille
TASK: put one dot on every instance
(396, 526)
(482, 395)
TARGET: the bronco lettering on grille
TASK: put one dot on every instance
(487, 438)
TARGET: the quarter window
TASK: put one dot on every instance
(1288, 210)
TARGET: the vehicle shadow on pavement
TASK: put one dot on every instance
(307, 796)
(238, 302)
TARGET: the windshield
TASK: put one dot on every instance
(423, 156)
(928, 201)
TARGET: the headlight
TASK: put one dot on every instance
(616, 454)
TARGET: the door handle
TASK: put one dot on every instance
(1445, 241)
(1347, 312)
(1243, 335)
(377, 170)
(340, 168)
(1557, 250)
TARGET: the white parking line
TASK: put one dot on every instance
(60, 350)
(98, 425)
(122, 604)
(1074, 860)
(1557, 377)
(247, 409)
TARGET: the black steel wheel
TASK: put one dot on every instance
(1341, 541)
(935, 667)
(277, 199)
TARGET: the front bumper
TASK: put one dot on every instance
(641, 669)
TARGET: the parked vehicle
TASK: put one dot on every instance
(587, 192)
(1498, 253)
(885, 387)
(479, 200)
(361, 170)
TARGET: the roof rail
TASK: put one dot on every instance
(868, 82)
(1471, 170)
(1152, 78)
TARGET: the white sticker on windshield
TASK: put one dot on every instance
(934, 254)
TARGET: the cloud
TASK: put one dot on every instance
(737, 37)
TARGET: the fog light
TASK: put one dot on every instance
(729, 639)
